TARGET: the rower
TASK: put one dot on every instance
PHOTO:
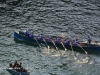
(76, 42)
(89, 41)
(58, 40)
(20, 65)
(49, 38)
(41, 37)
(67, 42)
(15, 65)
(10, 65)
(26, 33)
(32, 35)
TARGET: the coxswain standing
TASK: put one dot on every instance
(89, 41)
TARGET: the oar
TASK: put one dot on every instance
(37, 42)
(63, 46)
(73, 52)
(19, 74)
(84, 50)
(46, 43)
(55, 45)
(62, 43)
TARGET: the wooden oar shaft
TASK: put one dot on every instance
(37, 42)
(72, 49)
(84, 50)
(54, 44)
(45, 42)
(73, 52)
(63, 46)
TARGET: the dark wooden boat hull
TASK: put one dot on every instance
(23, 38)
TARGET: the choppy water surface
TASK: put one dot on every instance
(68, 18)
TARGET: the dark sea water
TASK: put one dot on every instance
(67, 18)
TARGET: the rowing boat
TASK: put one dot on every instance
(14, 72)
(23, 38)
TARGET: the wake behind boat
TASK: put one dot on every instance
(20, 36)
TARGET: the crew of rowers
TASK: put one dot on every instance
(17, 66)
(57, 40)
